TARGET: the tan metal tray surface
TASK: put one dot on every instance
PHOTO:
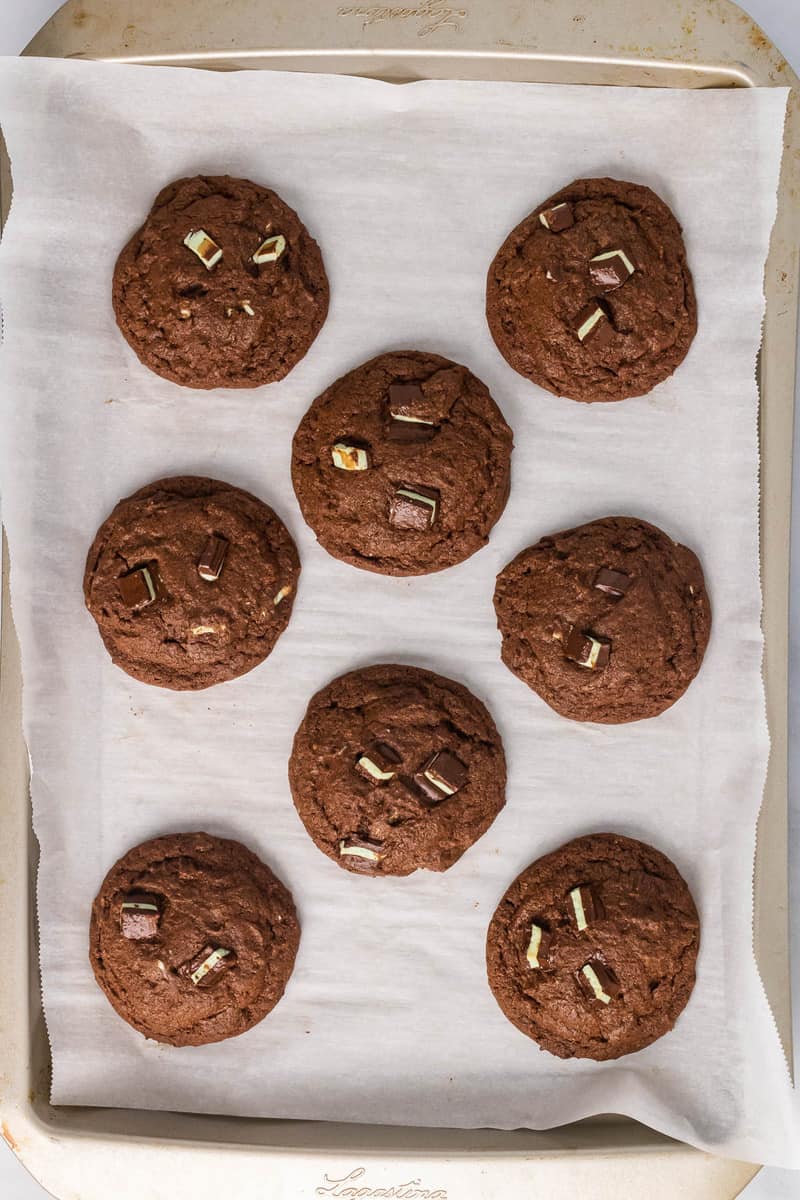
(97, 1153)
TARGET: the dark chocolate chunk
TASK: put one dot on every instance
(378, 763)
(409, 431)
(407, 402)
(603, 335)
(587, 906)
(613, 583)
(413, 507)
(610, 270)
(139, 915)
(208, 965)
(137, 588)
(410, 417)
(598, 981)
(593, 326)
(445, 772)
(557, 218)
(586, 650)
(430, 792)
(209, 565)
(363, 853)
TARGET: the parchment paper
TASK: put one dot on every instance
(409, 191)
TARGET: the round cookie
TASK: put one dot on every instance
(548, 282)
(592, 950)
(403, 465)
(150, 582)
(237, 307)
(608, 622)
(394, 768)
(161, 920)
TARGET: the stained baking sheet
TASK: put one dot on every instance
(409, 192)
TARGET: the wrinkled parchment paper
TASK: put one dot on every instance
(409, 190)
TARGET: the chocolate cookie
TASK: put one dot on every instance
(191, 582)
(403, 465)
(394, 768)
(608, 622)
(592, 950)
(192, 939)
(591, 296)
(223, 286)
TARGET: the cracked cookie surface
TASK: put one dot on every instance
(211, 894)
(626, 585)
(539, 284)
(460, 454)
(236, 322)
(195, 632)
(643, 939)
(403, 720)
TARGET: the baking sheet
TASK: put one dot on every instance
(409, 191)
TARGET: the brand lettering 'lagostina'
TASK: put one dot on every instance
(434, 13)
(355, 1187)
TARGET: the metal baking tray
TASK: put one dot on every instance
(93, 1153)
